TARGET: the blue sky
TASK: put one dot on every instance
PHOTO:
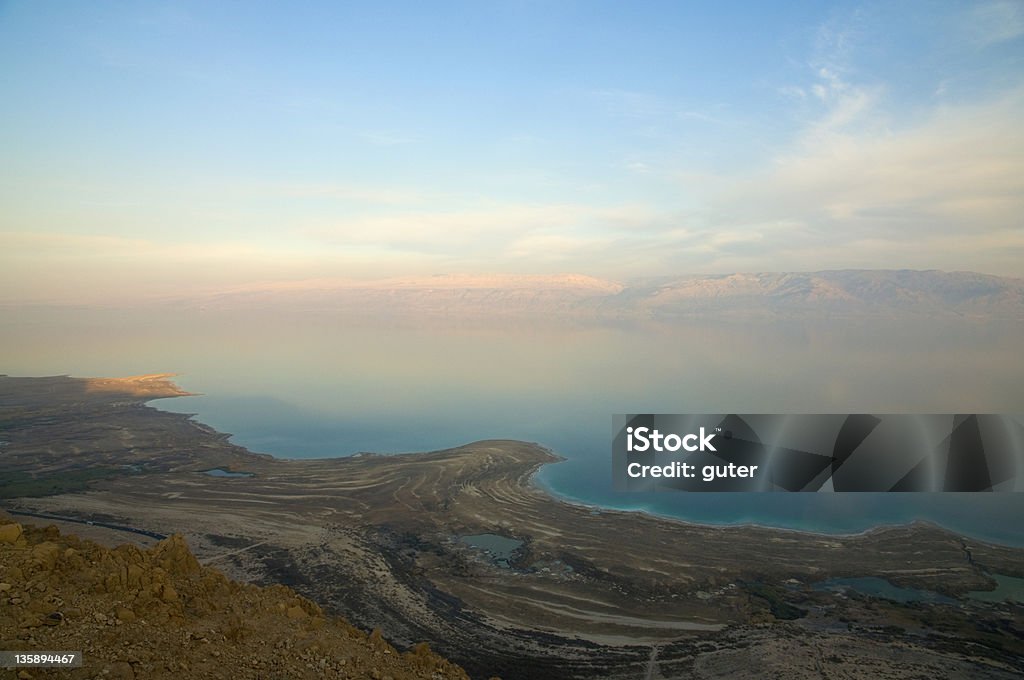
(185, 146)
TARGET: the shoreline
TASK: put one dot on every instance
(570, 500)
(376, 539)
(534, 482)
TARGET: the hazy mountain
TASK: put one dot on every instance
(835, 293)
(887, 293)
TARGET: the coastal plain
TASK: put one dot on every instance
(585, 592)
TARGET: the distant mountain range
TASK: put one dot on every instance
(841, 293)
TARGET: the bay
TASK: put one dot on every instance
(303, 384)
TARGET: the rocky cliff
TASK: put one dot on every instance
(158, 614)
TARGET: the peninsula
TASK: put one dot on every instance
(460, 549)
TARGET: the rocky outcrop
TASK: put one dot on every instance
(158, 614)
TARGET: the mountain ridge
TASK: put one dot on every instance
(825, 293)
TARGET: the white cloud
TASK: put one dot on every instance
(844, 104)
(793, 92)
(956, 177)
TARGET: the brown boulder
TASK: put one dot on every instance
(174, 557)
(168, 593)
(10, 533)
(46, 554)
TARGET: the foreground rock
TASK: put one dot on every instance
(159, 614)
(382, 541)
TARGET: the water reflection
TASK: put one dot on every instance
(312, 384)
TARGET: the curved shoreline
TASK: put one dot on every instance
(559, 496)
(922, 521)
(376, 538)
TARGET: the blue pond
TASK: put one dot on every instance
(880, 588)
(499, 548)
(217, 472)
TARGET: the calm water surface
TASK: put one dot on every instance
(315, 385)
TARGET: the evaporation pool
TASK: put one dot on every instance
(217, 472)
(499, 548)
(878, 587)
(1009, 589)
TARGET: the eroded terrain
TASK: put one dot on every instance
(585, 594)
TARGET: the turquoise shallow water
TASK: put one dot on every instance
(579, 480)
(217, 472)
(877, 587)
(499, 548)
(1008, 588)
(310, 384)
(585, 475)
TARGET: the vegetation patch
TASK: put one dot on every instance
(779, 608)
(21, 484)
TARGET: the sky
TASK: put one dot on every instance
(153, 148)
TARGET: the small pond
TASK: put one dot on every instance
(1010, 589)
(499, 548)
(217, 472)
(872, 586)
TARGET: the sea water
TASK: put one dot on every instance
(307, 384)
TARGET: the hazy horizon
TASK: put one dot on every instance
(480, 230)
(242, 160)
(308, 385)
(170, 149)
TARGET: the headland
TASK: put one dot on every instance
(582, 592)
